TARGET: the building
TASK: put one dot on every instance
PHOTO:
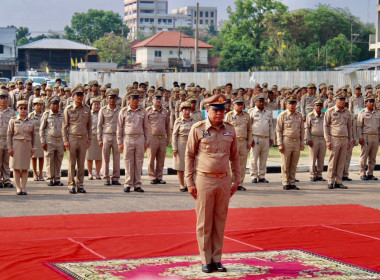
(8, 53)
(147, 17)
(374, 40)
(170, 49)
(56, 54)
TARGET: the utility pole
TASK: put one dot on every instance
(353, 38)
(196, 41)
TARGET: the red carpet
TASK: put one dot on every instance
(350, 233)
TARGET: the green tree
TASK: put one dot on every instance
(339, 50)
(22, 34)
(110, 49)
(89, 27)
(188, 30)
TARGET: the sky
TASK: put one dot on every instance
(43, 15)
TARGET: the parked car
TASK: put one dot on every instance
(52, 82)
(15, 78)
(37, 80)
(4, 80)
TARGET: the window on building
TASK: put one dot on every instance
(195, 21)
(141, 20)
(212, 21)
(206, 14)
(151, 20)
(134, 11)
(206, 21)
(170, 21)
(212, 14)
(201, 21)
(170, 52)
(1, 48)
(146, 20)
(159, 21)
(157, 53)
(201, 14)
(146, 2)
(195, 14)
(159, 29)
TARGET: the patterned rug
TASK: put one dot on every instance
(266, 265)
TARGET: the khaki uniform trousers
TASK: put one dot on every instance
(156, 152)
(213, 196)
(259, 153)
(110, 142)
(317, 155)
(4, 162)
(347, 163)
(77, 156)
(53, 158)
(337, 160)
(243, 154)
(289, 160)
(172, 120)
(133, 160)
(368, 153)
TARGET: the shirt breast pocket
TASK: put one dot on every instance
(207, 145)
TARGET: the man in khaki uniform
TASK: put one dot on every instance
(211, 149)
(106, 134)
(262, 139)
(316, 141)
(354, 141)
(6, 114)
(148, 101)
(13, 95)
(94, 86)
(27, 92)
(173, 99)
(290, 135)
(337, 128)
(133, 136)
(52, 142)
(182, 98)
(159, 122)
(77, 132)
(36, 91)
(307, 100)
(356, 101)
(241, 121)
(368, 134)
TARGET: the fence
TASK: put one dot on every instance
(239, 79)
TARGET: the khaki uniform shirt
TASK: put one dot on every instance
(368, 123)
(13, 97)
(132, 122)
(21, 130)
(159, 121)
(181, 129)
(36, 119)
(176, 108)
(290, 126)
(24, 95)
(271, 105)
(314, 125)
(328, 103)
(5, 117)
(77, 121)
(355, 103)
(262, 124)
(147, 103)
(307, 104)
(30, 103)
(94, 123)
(107, 122)
(51, 125)
(211, 150)
(247, 102)
(377, 103)
(242, 124)
(196, 115)
(337, 123)
(172, 101)
(166, 104)
(88, 97)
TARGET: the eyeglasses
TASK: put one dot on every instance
(23, 108)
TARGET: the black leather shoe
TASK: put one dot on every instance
(371, 177)
(8, 185)
(19, 193)
(81, 190)
(107, 183)
(286, 187)
(116, 183)
(160, 182)
(364, 177)
(294, 187)
(346, 179)
(153, 182)
(313, 179)
(51, 183)
(241, 188)
(58, 183)
(138, 189)
(183, 189)
(254, 180)
(1, 185)
(320, 179)
(72, 190)
(263, 180)
(297, 181)
(330, 186)
(208, 268)
(340, 186)
(127, 189)
(24, 193)
(219, 267)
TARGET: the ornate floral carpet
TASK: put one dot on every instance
(266, 265)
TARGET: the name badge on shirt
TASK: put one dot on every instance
(233, 118)
(227, 134)
(206, 133)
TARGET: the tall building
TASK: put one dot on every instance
(147, 17)
(374, 40)
(8, 52)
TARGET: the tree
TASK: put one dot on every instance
(188, 30)
(89, 27)
(21, 34)
(110, 48)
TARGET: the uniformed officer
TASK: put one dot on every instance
(337, 129)
(13, 95)
(94, 152)
(241, 121)
(107, 128)
(159, 123)
(133, 136)
(64, 99)
(27, 92)
(77, 133)
(35, 117)
(36, 94)
(94, 92)
(52, 142)
(181, 131)
(356, 101)
(21, 142)
(329, 102)
(211, 149)
(6, 113)
(182, 98)
(316, 141)
(195, 113)
(173, 99)
(290, 135)
(148, 101)
(354, 118)
(262, 139)
(307, 100)
(368, 133)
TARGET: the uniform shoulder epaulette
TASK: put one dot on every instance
(198, 124)
(46, 112)
(230, 112)
(178, 119)
(70, 106)
(125, 108)
(245, 112)
(332, 108)
(148, 108)
(87, 105)
(284, 112)
(310, 113)
(14, 117)
(104, 107)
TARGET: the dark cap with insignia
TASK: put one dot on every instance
(54, 100)
(239, 101)
(340, 95)
(78, 90)
(111, 94)
(58, 79)
(184, 105)
(93, 83)
(368, 87)
(29, 81)
(318, 101)
(37, 87)
(370, 97)
(19, 81)
(22, 102)
(44, 83)
(133, 94)
(228, 98)
(192, 99)
(291, 99)
(3, 93)
(357, 86)
(260, 97)
(216, 101)
(157, 94)
(311, 85)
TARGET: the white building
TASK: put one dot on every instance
(171, 49)
(8, 52)
(374, 40)
(207, 15)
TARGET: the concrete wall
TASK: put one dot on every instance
(239, 79)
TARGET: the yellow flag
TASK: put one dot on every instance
(47, 70)
(76, 62)
(81, 60)
(72, 63)
(175, 70)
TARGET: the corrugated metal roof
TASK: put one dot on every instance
(362, 65)
(7, 36)
(60, 44)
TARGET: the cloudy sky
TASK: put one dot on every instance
(43, 15)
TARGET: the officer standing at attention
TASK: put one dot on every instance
(133, 135)
(6, 113)
(337, 127)
(316, 140)
(368, 133)
(94, 152)
(77, 133)
(356, 101)
(21, 142)
(36, 117)
(241, 121)
(159, 122)
(94, 92)
(211, 148)
(307, 100)
(52, 142)
(107, 127)
(290, 135)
